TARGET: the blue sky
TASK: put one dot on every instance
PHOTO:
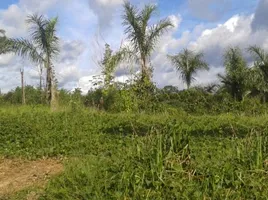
(84, 26)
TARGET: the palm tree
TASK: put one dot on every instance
(234, 82)
(261, 60)
(41, 49)
(261, 70)
(142, 36)
(187, 63)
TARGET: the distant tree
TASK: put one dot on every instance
(109, 63)
(188, 63)
(234, 81)
(170, 89)
(259, 73)
(209, 88)
(32, 96)
(261, 60)
(142, 36)
(41, 49)
(77, 94)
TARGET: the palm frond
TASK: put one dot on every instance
(187, 63)
(3, 42)
(145, 16)
(51, 37)
(43, 33)
(224, 79)
(155, 32)
(258, 53)
(131, 22)
(261, 59)
(25, 49)
(37, 30)
(198, 63)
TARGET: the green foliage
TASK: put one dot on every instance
(33, 96)
(261, 60)
(127, 156)
(143, 37)
(234, 82)
(199, 101)
(3, 42)
(187, 63)
(109, 64)
(42, 48)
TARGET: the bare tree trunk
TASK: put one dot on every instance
(22, 86)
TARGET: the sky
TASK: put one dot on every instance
(208, 26)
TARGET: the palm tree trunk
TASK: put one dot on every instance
(53, 103)
(49, 84)
(144, 72)
(22, 86)
(188, 86)
(50, 88)
(188, 79)
(40, 84)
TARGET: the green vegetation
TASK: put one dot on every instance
(188, 63)
(130, 156)
(134, 140)
(143, 36)
(41, 49)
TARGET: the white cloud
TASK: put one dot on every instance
(104, 10)
(12, 21)
(234, 32)
(39, 6)
(212, 42)
(5, 59)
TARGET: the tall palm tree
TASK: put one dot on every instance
(187, 63)
(41, 49)
(142, 36)
(234, 81)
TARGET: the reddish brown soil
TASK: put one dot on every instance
(16, 175)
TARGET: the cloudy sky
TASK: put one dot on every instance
(85, 26)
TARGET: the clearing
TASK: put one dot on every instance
(16, 174)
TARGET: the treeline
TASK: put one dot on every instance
(239, 83)
(212, 99)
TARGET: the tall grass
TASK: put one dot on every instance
(130, 156)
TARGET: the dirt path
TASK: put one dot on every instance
(16, 175)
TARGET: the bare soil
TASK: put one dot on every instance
(16, 175)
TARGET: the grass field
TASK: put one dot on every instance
(140, 156)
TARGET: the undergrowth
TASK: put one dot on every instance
(140, 156)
